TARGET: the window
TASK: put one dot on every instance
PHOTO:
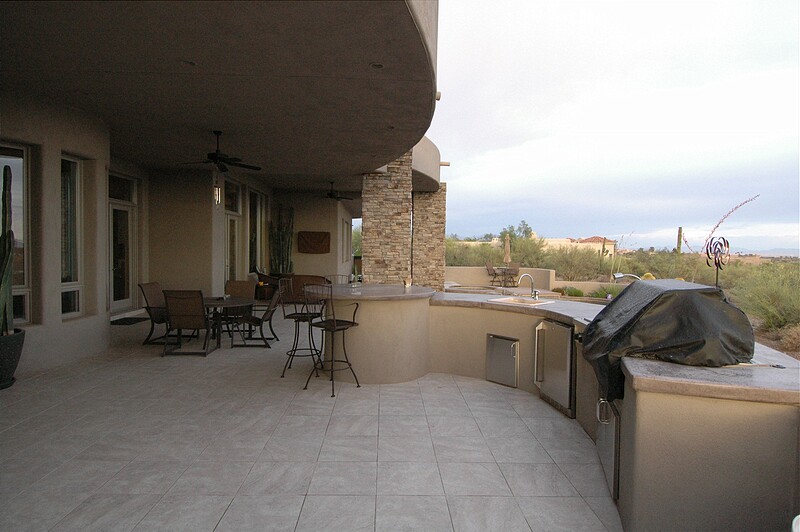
(70, 237)
(232, 197)
(256, 237)
(16, 157)
(347, 240)
(121, 189)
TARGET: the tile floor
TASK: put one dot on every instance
(128, 440)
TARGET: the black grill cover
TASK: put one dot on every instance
(669, 320)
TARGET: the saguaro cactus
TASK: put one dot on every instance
(6, 257)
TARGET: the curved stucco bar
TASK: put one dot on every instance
(390, 344)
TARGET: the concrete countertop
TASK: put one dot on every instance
(380, 292)
(573, 312)
(759, 381)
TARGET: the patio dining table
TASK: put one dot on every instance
(218, 304)
(505, 279)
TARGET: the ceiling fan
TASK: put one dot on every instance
(333, 194)
(223, 161)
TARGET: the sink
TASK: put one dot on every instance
(521, 301)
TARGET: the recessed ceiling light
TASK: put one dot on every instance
(376, 66)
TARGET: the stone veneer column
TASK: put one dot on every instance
(386, 224)
(428, 237)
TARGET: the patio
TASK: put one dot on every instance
(129, 440)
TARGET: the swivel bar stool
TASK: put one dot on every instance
(294, 307)
(326, 320)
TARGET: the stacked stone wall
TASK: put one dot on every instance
(386, 223)
(429, 236)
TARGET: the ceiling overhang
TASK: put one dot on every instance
(309, 91)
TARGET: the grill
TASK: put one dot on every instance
(669, 320)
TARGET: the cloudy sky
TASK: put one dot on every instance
(624, 119)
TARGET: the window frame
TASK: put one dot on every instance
(76, 285)
(24, 290)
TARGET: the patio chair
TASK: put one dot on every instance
(321, 296)
(156, 310)
(293, 307)
(252, 320)
(244, 289)
(510, 277)
(185, 311)
(493, 273)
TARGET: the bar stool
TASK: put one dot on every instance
(294, 308)
(326, 320)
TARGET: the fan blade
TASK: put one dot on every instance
(245, 166)
(221, 166)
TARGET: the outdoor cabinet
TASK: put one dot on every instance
(502, 360)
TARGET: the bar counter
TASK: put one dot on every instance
(390, 344)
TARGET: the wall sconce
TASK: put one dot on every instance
(217, 194)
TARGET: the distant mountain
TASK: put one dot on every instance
(774, 252)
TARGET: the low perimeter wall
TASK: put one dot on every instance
(477, 276)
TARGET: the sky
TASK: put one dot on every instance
(624, 119)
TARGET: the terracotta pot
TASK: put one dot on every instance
(10, 352)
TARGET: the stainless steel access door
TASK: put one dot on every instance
(502, 359)
(553, 372)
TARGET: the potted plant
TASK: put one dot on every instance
(281, 231)
(11, 339)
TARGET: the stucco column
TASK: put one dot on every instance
(386, 223)
(428, 237)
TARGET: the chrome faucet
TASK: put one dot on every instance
(534, 292)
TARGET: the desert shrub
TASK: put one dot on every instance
(790, 338)
(771, 293)
(604, 291)
(458, 254)
(575, 264)
(571, 291)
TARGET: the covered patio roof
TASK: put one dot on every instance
(309, 91)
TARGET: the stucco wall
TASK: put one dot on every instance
(476, 276)
(457, 342)
(181, 231)
(314, 212)
(51, 132)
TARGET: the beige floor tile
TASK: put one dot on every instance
(278, 478)
(409, 478)
(349, 449)
(399, 425)
(518, 449)
(211, 478)
(108, 512)
(143, 477)
(344, 478)
(198, 513)
(473, 479)
(464, 425)
(485, 514)
(410, 513)
(462, 449)
(353, 425)
(416, 448)
(566, 514)
(263, 513)
(336, 513)
(291, 449)
(545, 480)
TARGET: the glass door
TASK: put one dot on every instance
(231, 247)
(121, 262)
